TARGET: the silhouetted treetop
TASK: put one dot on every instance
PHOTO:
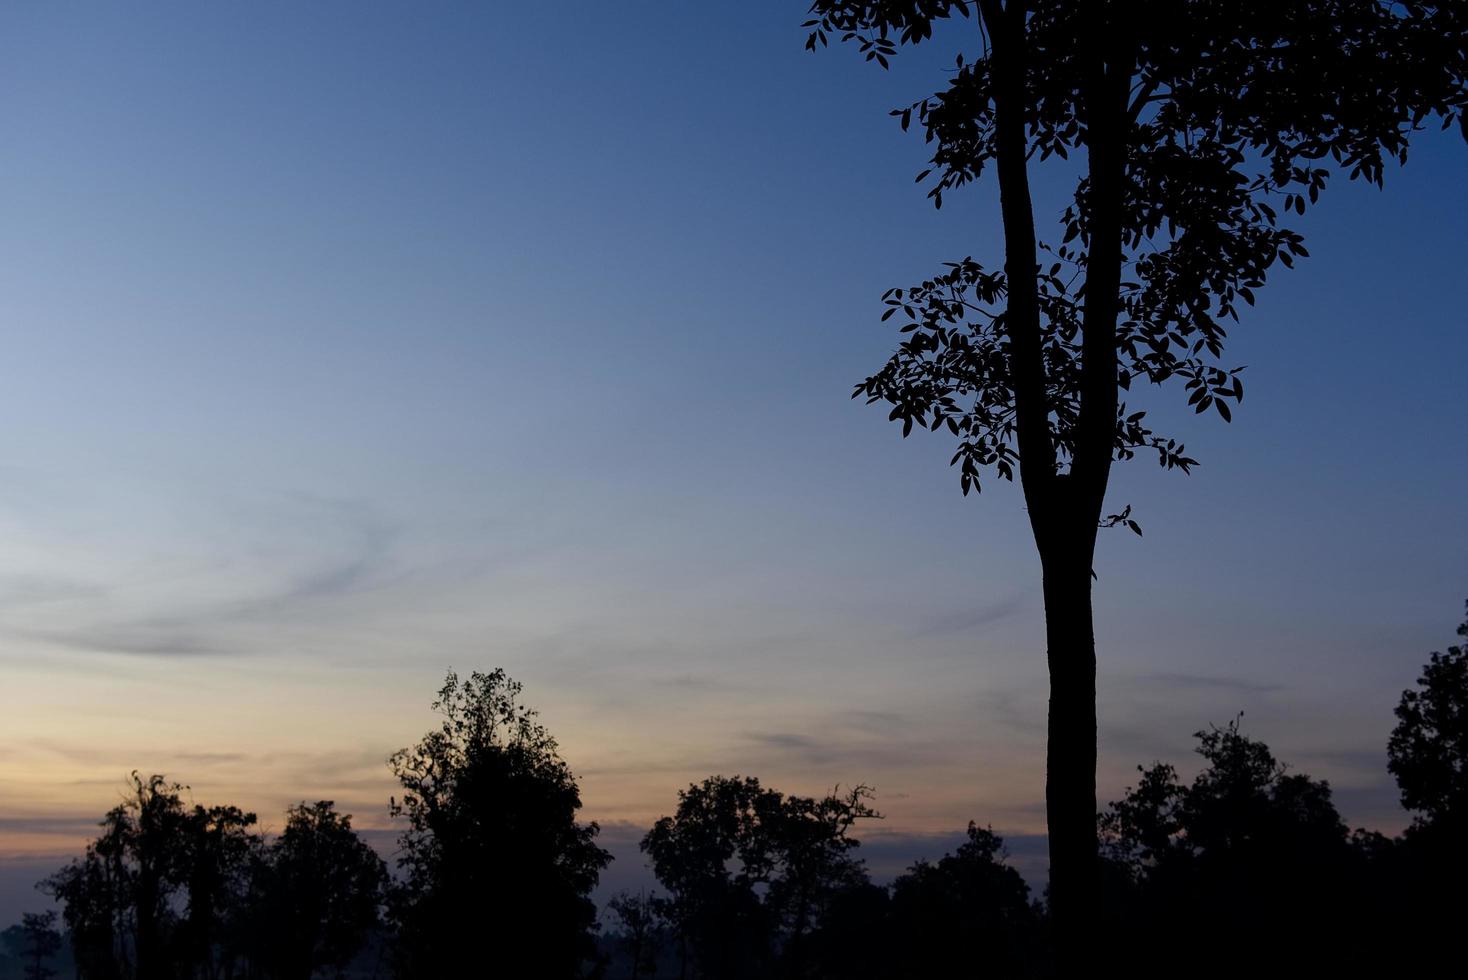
(36, 942)
(1247, 861)
(640, 918)
(318, 892)
(494, 862)
(750, 872)
(969, 913)
(1218, 117)
(1243, 806)
(1428, 749)
(161, 891)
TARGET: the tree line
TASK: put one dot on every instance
(1247, 866)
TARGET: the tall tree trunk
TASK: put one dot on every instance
(1065, 509)
(1070, 758)
(1070, 779)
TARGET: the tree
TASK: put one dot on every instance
(1428, 754)
(118, 899)
(1201, 122)
(750, 872)
(640, 918)
(36, 942)
(1221, 862)
(497, 872)
(1428, 749)
(155, 893)
(709, 856)
(968, 910)
(92, 892)
(217, 852)
(854, 940)
(319, 888)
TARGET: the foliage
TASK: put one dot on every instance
(216, 853)
(177, 892)
(495, 865)
(156, 892)
(1243, 807)
(968, 901)
(1245, 845)
(1428, 749)
(1224, 116)
(318, 891)
(1203, 126)
(35, 942)
(1203, 876)
(640, 919)
(750, 871)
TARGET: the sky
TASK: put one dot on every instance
(344, 344)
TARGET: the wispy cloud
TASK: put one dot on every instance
(1207, 682)
(25, 589)
(71, 826)
(963, 621)
(281, 557)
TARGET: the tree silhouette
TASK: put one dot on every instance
(217, 851)
(640, 918)
(496, 870)
(117, 899)
(1201, 121)
(93, 892)
(750, 872)
(36, 942)
(855, 939)
(813, 845)
(1428, 755)
(318, 890)
(158, 893)
(968, 906)
(179, 893)
(1428, 750)
(709, 857)
(1244, 848)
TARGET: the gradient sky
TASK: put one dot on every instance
(344, 343)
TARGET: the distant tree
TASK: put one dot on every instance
(639, 920)
(496, 870)
(970, 913)
(709, 857)
(855, 938)
(813, 847)
(118, 899)
(92, 891)
(217, 856)
(1428, 749)
(155, 893)
(319, 889)
(1428, 754)
(1227, 859)
(35, 942)
(749, 872)
(1201, 122)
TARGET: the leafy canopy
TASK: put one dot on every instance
(1428, 749)
(745, 864)
(1234, 115)
(318, 888)
(493, 855)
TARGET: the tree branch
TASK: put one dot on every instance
(1006, 27)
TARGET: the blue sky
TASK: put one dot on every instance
(348, 342)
